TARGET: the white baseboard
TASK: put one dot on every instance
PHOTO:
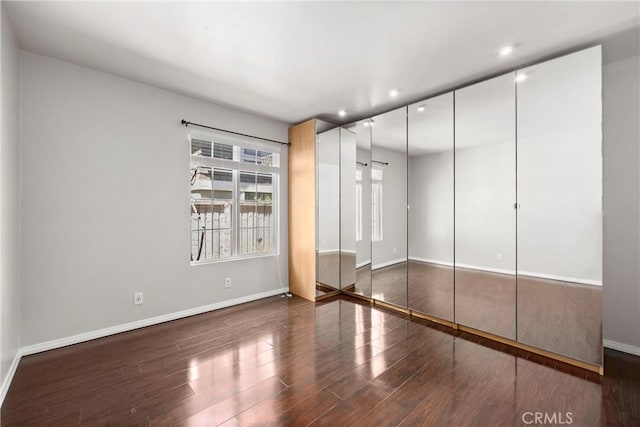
(9, 377)
(87, 336)
(512, 272)
(561, 278)
(627, 348)
(329, 251)
(431, 261)
(488, 269)
(388, 263)
(335, 251)
(363, 263)
(100, 333)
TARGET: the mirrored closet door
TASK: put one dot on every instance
(560, 206)
(481, 207)
(347, 210)
(327, 208)
(361, 169)
(485, 215)
(431, 215)
(389, 207)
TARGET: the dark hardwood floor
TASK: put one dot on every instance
(286, 361)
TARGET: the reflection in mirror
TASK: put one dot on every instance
(328, 210)
(485, 241)
(347, 209)
(560, 212)
(389, 207)
(431, 206)
(362, 208)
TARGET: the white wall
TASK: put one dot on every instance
(431, 212)
(347, 191)
(393, 247)
(484, 214)
(621, 157)
(105, 202)
(9, 212)
(328, 205)
(560, 168)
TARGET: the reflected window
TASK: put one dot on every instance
(376, 203)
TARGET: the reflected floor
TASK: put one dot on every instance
(562, 317)
(487, 301)
(287, 361)
(329, 269)
(389, 284)
(363, 281)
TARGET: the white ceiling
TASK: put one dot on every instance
(293, 61)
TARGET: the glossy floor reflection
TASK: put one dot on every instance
(287, 361)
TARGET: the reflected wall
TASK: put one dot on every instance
(485, 218)
(560, 206)
(347, 209)
(363, 207)
(481, 206)
(389, 207)
(431, 202)
(328, 208)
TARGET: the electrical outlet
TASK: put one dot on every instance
(138, 298)
(499, 257)
(395, 250)
(227, 282)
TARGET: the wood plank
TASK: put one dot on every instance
(342, 362)
(302, 210)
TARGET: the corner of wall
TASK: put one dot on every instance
(10, 300)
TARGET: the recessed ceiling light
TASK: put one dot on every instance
(393, 93)
(520, 77)
(420, 108)
(507, 50)
(368, 123)
(342, 113)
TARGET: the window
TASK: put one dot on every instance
(234, 185)
(376, 204)
(358, 203)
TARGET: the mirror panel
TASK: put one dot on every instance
(389, 207)
(328, 209)
(347, 209)
(362, 219)
(560, 206)
(431, 215)
(485, 240)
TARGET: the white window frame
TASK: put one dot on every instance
(377, 186)
(359, 172)
(236, 167)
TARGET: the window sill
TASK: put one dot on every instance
(240, 258)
